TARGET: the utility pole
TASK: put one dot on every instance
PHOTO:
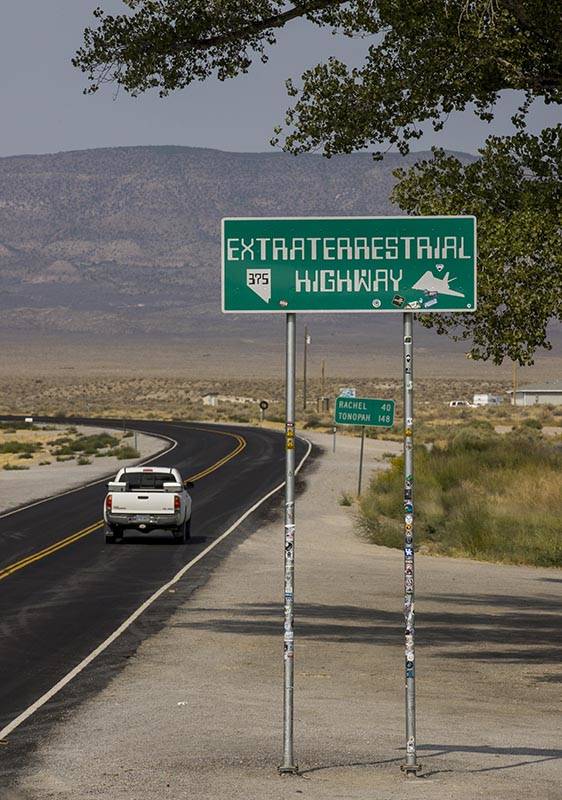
(305, 364)
(323, 377)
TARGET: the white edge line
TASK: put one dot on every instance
(100, 480)
(11, 726)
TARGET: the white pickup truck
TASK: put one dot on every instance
(146, 499)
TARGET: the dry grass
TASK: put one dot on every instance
(480, 494)
(40, 444)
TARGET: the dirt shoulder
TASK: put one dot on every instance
(197, 713)
(37, 481)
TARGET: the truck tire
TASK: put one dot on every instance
(184, 533)
(112, 534)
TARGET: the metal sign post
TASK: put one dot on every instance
(289, 764)
(410, 767)
(361, 451)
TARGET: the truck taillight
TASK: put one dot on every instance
(177, 502)
(108, 502)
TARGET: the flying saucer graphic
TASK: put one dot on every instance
(431, 283)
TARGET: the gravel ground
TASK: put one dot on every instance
(197, 712)
(19, 488)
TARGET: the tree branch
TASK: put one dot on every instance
(253, 28)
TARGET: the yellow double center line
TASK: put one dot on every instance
(218, 464)
(53, 548)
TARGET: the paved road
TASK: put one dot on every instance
(63, 590)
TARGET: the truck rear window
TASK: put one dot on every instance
(146, 480)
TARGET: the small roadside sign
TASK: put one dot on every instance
(348, 391)
(364, 411)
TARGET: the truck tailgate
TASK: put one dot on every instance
(143, 503)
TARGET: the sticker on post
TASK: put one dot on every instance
(288, 650)
(259, 281)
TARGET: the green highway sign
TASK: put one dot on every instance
(364, 411)
(344, 264)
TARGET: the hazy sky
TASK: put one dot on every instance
(43, 108)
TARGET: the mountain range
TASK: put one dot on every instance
(105, 248)
(127, 240)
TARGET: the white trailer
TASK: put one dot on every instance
(487, 400)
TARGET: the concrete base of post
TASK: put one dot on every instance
(290, 769)
(411, 770)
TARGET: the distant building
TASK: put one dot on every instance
(232, 398)
(548, 393)
(486, 400)
(214, 398)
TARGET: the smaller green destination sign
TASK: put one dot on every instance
(364, 411)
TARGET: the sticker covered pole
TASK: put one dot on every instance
(411, 766)
(289, 764)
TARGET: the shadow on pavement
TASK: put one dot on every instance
(426, 751)
(526, 629)
(347, 764)
(535, 756)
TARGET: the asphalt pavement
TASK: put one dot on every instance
(63, 591)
